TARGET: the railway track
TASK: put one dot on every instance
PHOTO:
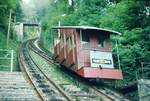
(45, 88)
(94, 92)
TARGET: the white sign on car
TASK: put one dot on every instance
(101, 59)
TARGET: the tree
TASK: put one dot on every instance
(5, 6)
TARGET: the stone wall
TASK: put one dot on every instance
(144, 89)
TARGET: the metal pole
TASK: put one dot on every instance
(136, 75)
(8, 31)
(142, 69)
(21, 27)
(12, 58)
(118, 56)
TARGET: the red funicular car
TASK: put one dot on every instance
(86, 51)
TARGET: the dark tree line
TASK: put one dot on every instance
(5, 7)
(16, 14)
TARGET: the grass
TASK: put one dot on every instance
(52, 70)
(68, 83)
(13, 45)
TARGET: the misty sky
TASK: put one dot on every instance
(30, 7)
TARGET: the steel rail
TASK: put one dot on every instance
(22, 62)
(51, 81)
(22, 65)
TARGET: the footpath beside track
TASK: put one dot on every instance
(14, 87)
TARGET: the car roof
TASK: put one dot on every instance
(87, 28)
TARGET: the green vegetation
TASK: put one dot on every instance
(52, 70)
(133, 20)
(13, 44)
(5, 7)
(30, 32)
(130, 17)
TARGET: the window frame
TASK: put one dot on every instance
(81, 38)
(101, 40)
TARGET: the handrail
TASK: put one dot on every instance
(11, 58)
